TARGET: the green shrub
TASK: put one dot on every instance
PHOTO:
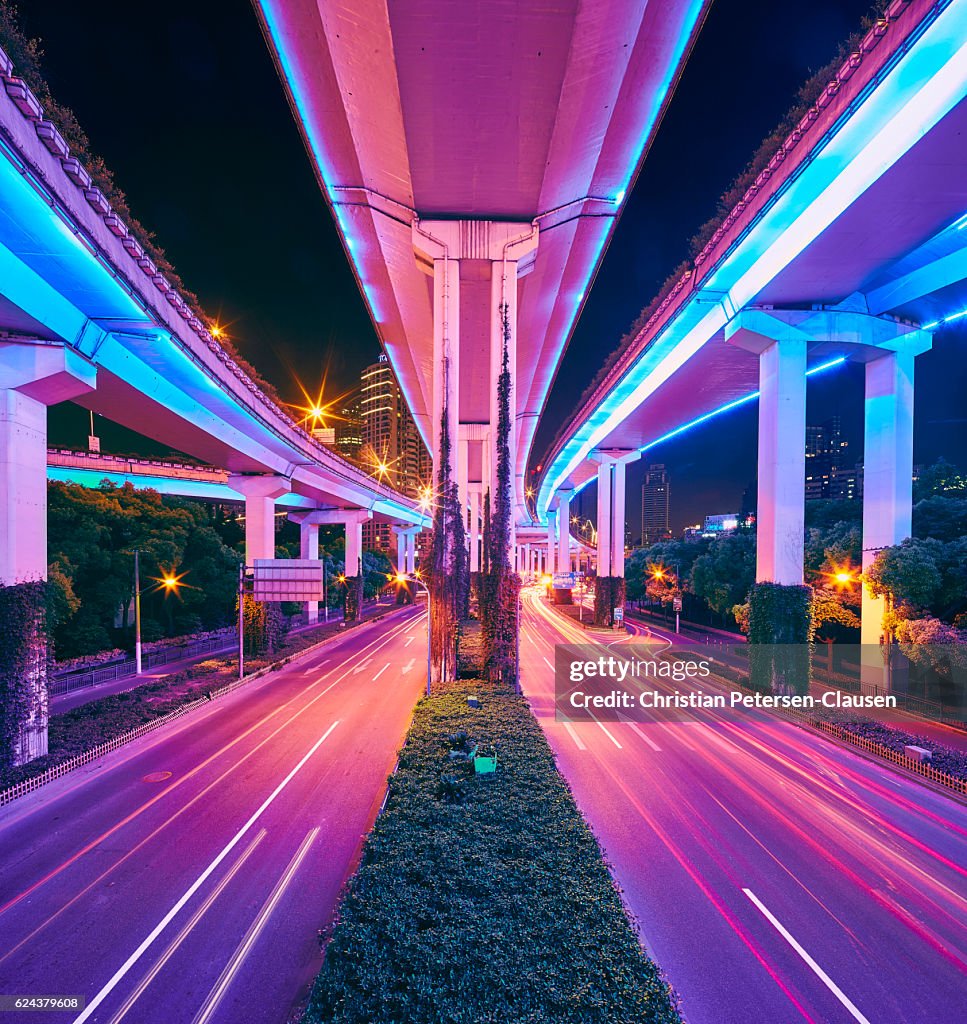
(484, 899)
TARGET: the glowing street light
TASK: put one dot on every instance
(170, 582)
(843, 576)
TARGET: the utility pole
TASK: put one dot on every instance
(241, 620)
(137, 612)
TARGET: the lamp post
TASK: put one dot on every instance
(659, 574)
(137, 613)
(241, 620)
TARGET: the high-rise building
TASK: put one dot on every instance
(390, 445)
(345, 436)
(827, 475)
(655, 521)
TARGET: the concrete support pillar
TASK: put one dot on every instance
(406, 548)
(779, 338)
(605, 490)
(462, 468)
(446, 357)
(400, 552)
(309, 550)
(564, 531)
(782, 462)
(887, 471)
(508, 248)
(260, 495)
(552, 555)
(611, 509)
(411, 551)
(473, 532)
(354, 546)
(33, 375)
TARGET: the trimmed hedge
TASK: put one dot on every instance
(483, 899)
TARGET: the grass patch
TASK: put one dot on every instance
(483, 899)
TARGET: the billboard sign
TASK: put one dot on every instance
(287, 579)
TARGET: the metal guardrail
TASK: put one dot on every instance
(924, 768)
(70, 682)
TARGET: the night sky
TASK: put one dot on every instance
(182, 101)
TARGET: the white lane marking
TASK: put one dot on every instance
(183, 934)
(406, 668)
(316, 666)
(638, 732)
(359, 668)
(409, 640)
(574, 736)
(380, 672)
(198, 883)
(817, 970)
(245, 946)
(600, 725)
(547, 662)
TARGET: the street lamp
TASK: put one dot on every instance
(137, 613)
(659, 573)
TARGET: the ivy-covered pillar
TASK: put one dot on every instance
(33, 375)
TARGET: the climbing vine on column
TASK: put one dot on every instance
(24, 660)
(449, 580)
(500, 584)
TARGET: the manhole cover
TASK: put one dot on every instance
(157, 776)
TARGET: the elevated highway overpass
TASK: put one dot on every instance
(849, 245)
(475, 156)
(86, 315)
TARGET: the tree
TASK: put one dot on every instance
(907, 576)
(941, 478)
(724, 574)
(940, 517)
(92, 534)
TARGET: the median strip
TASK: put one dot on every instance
(483, 897)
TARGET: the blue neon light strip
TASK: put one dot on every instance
(944, 320)
(922, 87)
(744, 400)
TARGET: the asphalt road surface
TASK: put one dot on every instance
(184, 878)
(776, 877)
